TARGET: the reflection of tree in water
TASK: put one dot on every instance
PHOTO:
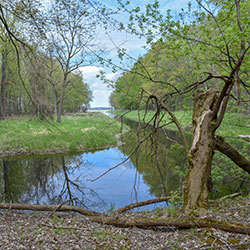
(164, 172)
(6, 183)
(27, 179)
(227, 177)
(39, 174)
(46, 180)
(162, 169)
(12, 180)
(86, 196)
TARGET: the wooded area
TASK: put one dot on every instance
(198, 61)
(42, 50)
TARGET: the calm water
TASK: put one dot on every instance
(67, 178)
(55, 179)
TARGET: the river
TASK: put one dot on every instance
(68, 178)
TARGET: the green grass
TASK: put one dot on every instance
(233, 124)
(24, 135)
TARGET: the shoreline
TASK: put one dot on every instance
(52, 152)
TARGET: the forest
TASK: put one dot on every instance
(196, 64)
(40, 60)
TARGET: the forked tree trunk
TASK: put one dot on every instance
(196, 186)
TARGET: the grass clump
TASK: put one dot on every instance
(25, 135)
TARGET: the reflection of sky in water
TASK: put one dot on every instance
(116, 187)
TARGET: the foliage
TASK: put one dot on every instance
(184, 51)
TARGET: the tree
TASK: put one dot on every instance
(217, 33)
(42, 56)
(75, 26)
(78, 95)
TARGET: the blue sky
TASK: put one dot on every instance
(132, 44)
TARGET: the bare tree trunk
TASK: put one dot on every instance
(55, 101)
(198, 179)
(3, 86)
(60, 108)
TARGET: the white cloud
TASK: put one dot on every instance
(90, 71)
(112, 76)
(99, 89)
(101, 98)
(110, 42)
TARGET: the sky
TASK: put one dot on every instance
(132, 44)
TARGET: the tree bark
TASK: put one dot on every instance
(60, 108)
(197, 182)
(55, 101)
(232, 153)
(3, 85)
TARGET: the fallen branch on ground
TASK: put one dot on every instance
(181, 223)
(139, 222)
(140, 204)
(230, 196)
(53, 208)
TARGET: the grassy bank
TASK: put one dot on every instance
(233, 124)
(25, 135)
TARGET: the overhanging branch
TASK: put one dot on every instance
(226, 149)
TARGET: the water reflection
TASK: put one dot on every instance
(57, 179)
(65, 179)
(109, 114)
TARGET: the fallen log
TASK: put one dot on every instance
(64, 208)
(140, 204)
(181, 223)
(119, 221)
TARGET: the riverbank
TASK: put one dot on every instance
(234, 125)
(28, 136)
(66, 231)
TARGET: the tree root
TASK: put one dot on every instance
(181, 223)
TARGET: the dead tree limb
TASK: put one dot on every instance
(63, 208)
(232, 153)
(230, 196)
(140, 204)
(182, 223)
